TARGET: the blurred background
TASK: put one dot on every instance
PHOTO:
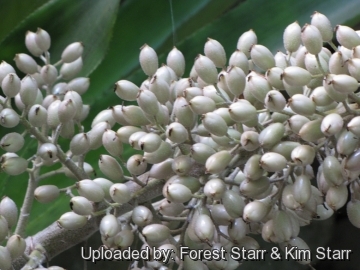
(112, 32)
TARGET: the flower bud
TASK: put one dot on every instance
(25, 63)
(250, 188)
(155, 233)
(177, 193)
(66, 110)
(204, 228)
(311, 38)
(104, 116)
(48, 152)
(70, 70)
(302, 105)
(311, 131)
(176, 132)
(31, 45)
(201, 152)
(292, 37)
(111, 168)
(81, 206)
(134, 115)
(272, 162)
(282, 226)
(13, 165)
(233, 203)
(242, 112)
(354, 125)
(323, 24)
(330, 90)
(5, 258)
(271, 135)
(250, 140)
(42, 40)
(161, 154)
(105, 184)
(96, 133)
(5, 69)
(258, 87)
(162, 170)
(135, 138)
(215, 188)
(16, 246)
(183, 113)
(120, 193)
(142, 216)
(11, 85)
(79, 85)
(321, 97)
(353, 212)
(303, 155)
(347, 37)
(136, 164)
(201, 105)
(182, 165)
(160, 88)
(302, 189)
(353, 65)
(72, 52)
(147, 102)
(246, 40)
(344, 83)
(239, 59)
(215, 51)
(80, 144)
(112, 143)
(176, 61)
(109, 226)
(72, 221)
(28, 90)
(9, 118)
(12, 142)
(46, 193)
(217, 162)
(9, 211)
(90, 190)
(332, 171)
(206, 69)
(262, 57)
(235, 80)
(148, 60)
(284, 148)
(331, 124)
(4, 228)
(296, 76)
(336, 197)
(323, 211)
(275, 101)
(255, 211)
(215, 124)
(352, 162)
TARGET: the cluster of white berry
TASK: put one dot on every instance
(253, 128)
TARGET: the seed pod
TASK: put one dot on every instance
(161, 154)
(90, 190)
(354, 125)
(155, 233)
(215, 124)
(271, 135)
(233, 203)
(69, 70)
(176, 132)
(323, 24)
(136, 164)
(49, 74)
(46, 193)
(42, 39)
(72, 221)
(347, 142)
(12, 142)
(72, 52)
(177, 193)
(311, 131)
(204, 228)
(332, 171)
(31, 45)
(5, 258)
(25, 63)
(302, 189)
(239, 59)
(81, 206)
(176, 61)
(111, 168)
(275, 101)
(282, 226)
(321, 97)
(215, 51)
(48, 152)
(66, 110)
(303, 155)
(206, 69)
(142, 216)
(235, 80)
(311, 38)
(262, 57)
(109, 226)
(332, 124)
(292, 37)
(120, 193)
(255, 211)
(246, 40)
(134, 115)
(112, 143)
(242, 112)
(251, 189)
(337, 64)
(11, 85)
(79, 85)
(28, 90)
(258, 87)
(80, 144)
(344, 83)
(302, 105)
(217, 162)
(148, 60)
(96, 133)
(272, 162)
(215, 188)
(252, 169)
(201, 105)
(353, 212)
(13, 165)
(336, 197)
(347, 37)
(296, 76)
(16, 246)
(147, 102)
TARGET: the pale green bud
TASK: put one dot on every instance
(311, 131)
(120, 193)
(311, 38)
(11, 85)
(156, 233)
(303, 155)
(49, 74)
(110, 168)
(250, 188)
(136, 164)
(302, 189)
(109, 226)
(148, 60)
(302, 105)
(162, 153)
(258, 87)
(273, 76)
(142, 216)
(176, 61)
(233, 203)
(331, 124)
(323, 24)
(215, 51)
(344, 83)
(31, 45)
(292, 37)
(296, 76)
(13, 165)
(271, 135)
(347, 36)
(112, 143)
(239, 59)
(46, 193)
(255, 211)
(235, 80)
(70, 70)
(201, 105)
(206, 69)
(72, 52)
(79, 85)
(262, 57)
(28, 90)
(81, 206)
(204, 228)
(12, 142)
(336, 197)
(275, 101)
(217, 162)
(90, 190)
(176, 132)
(272, 162)
(246, 40)
(321, 97)
(25, 63)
